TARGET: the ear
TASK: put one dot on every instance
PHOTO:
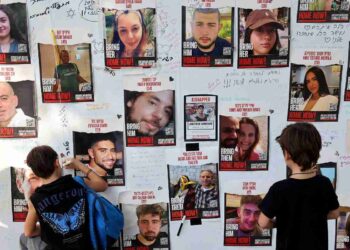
(57, 163)
(129, 104)
(286, 155)
(91, 153)
(15, 100)
(220, 26)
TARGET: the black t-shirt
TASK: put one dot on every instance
(63, 214)
(218, 50)
(301, 208)
(162, 241)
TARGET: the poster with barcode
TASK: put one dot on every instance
(193, 184)
(207, 33)
(323, 11)
(146, 220)
(19, 193)
(241, 221)
(18, 113)
(264, 34)
(200, 117)
(343, 229)
(130, 33)
(244, 143)
(103, 153)
(149, 104)
(14, 48)
(314, 93)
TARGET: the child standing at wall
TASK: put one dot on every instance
(60, 204)
(300, 206)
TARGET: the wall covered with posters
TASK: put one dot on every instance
(168, 83)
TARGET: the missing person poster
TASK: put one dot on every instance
(347, 87)
(146, 220)
(263, 35)
(207, 34)
(241, 221)
(18, 114)
(130, 33)
(14, 48)
(149, 104)
(103, 153)
(65, 71)
(19, 203)
(343, 229)
(314, 93)
(323, 11)
(200, 117)
(244, 143)
(193, 184)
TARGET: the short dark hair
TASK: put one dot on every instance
(322, 82)
(303, 142)
(154, 209)
(206, 11)
(200, 106)
(251, 199)
(95, 138)
(41, 160)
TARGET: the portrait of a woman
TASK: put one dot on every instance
(261, 31)
(248, 139)
(130, 34)
(10, 35)
(316, 93)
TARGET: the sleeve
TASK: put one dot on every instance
(270, 203)
(332, 196)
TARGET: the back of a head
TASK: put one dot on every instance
(303, 142)
(41, 160)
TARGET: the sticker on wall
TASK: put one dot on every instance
(200, 117)
(130, 34)
(244, 143)
(14, 48)
(18, 114)
(146, 219)
(323, 11)
(263, 37)
(149, 110)
(207, 34)
(241, 221)
(193, 184)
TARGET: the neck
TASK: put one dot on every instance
(315, 96)
(298, 174)
(144, 241)
(52, 178)
(5, 40)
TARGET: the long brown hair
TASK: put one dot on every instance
(246, 120)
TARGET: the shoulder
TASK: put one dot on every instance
(329, 98)
(222, 42)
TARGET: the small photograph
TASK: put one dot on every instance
(14, 47)
(244, 143)
(200, 117)
(146, 226)
(130, 38)
(207, 37)
(150, 118)
(103, 153)
(66, 73)
(314, 93)
(241, 221)
(343, 229)
(323, 11)
(194, 191)
(23, 185)
(17, 110)
(263, 38)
